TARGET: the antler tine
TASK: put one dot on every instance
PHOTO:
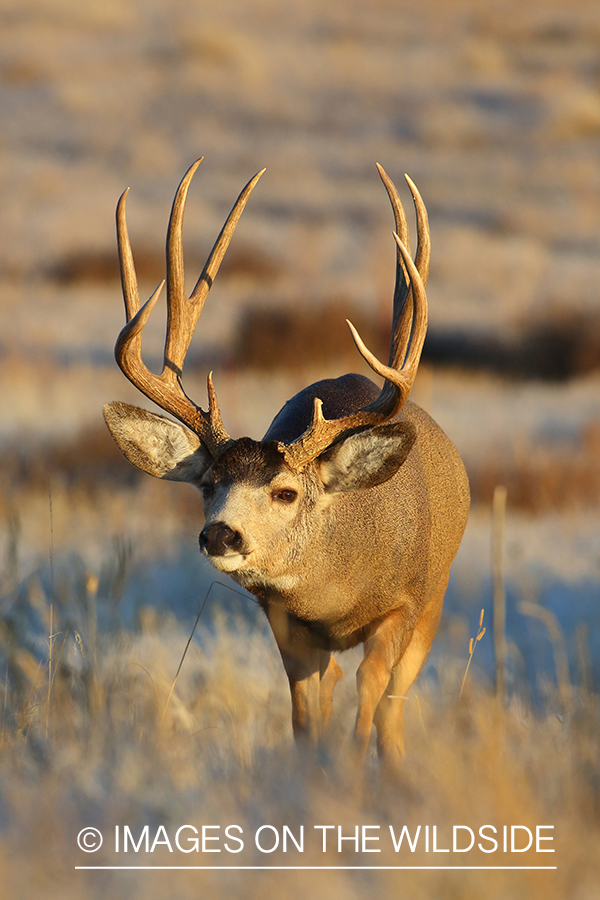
(126, 265)
(183, 315)
(166, 389)
(423, 237)
(403, 300)
(399, 214)
(180, 325)
(399, 381)
(420, 317)
(402, 304)
(408, 334)
(129, 343)
(423, 240)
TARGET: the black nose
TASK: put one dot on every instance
(218, 538)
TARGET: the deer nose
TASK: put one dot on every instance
(218, 538)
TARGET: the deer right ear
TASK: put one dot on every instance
(157, 445)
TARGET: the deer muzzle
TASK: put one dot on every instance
(218, 539)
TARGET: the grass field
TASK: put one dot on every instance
(101, 739)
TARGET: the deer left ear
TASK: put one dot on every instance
(366, 459)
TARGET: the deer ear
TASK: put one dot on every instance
(157, 445)
(366, 459)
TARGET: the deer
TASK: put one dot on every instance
(343, 520)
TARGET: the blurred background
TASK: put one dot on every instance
(494, 111)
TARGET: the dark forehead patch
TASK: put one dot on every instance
(249, 461)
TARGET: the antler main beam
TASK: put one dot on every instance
(166, 389)
(409, 325)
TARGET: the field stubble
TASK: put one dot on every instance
(101, 736)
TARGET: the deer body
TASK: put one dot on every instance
(343, 521)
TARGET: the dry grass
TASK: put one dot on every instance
(222, 754)
(275, 340)
(89, 267)
(542, 478)
(89, 462)
(555, 346)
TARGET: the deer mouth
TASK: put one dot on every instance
(231, 562)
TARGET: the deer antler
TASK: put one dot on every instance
(166, 389)
(409, 326)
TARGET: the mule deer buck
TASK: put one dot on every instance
(343, 520)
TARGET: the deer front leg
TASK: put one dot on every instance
(301, 661)
(303, 676)
(384, 648)
(389, 713)
(331, 673)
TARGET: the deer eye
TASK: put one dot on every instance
(206, 491)
(286, 495)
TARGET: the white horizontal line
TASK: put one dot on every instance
(329, 868)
